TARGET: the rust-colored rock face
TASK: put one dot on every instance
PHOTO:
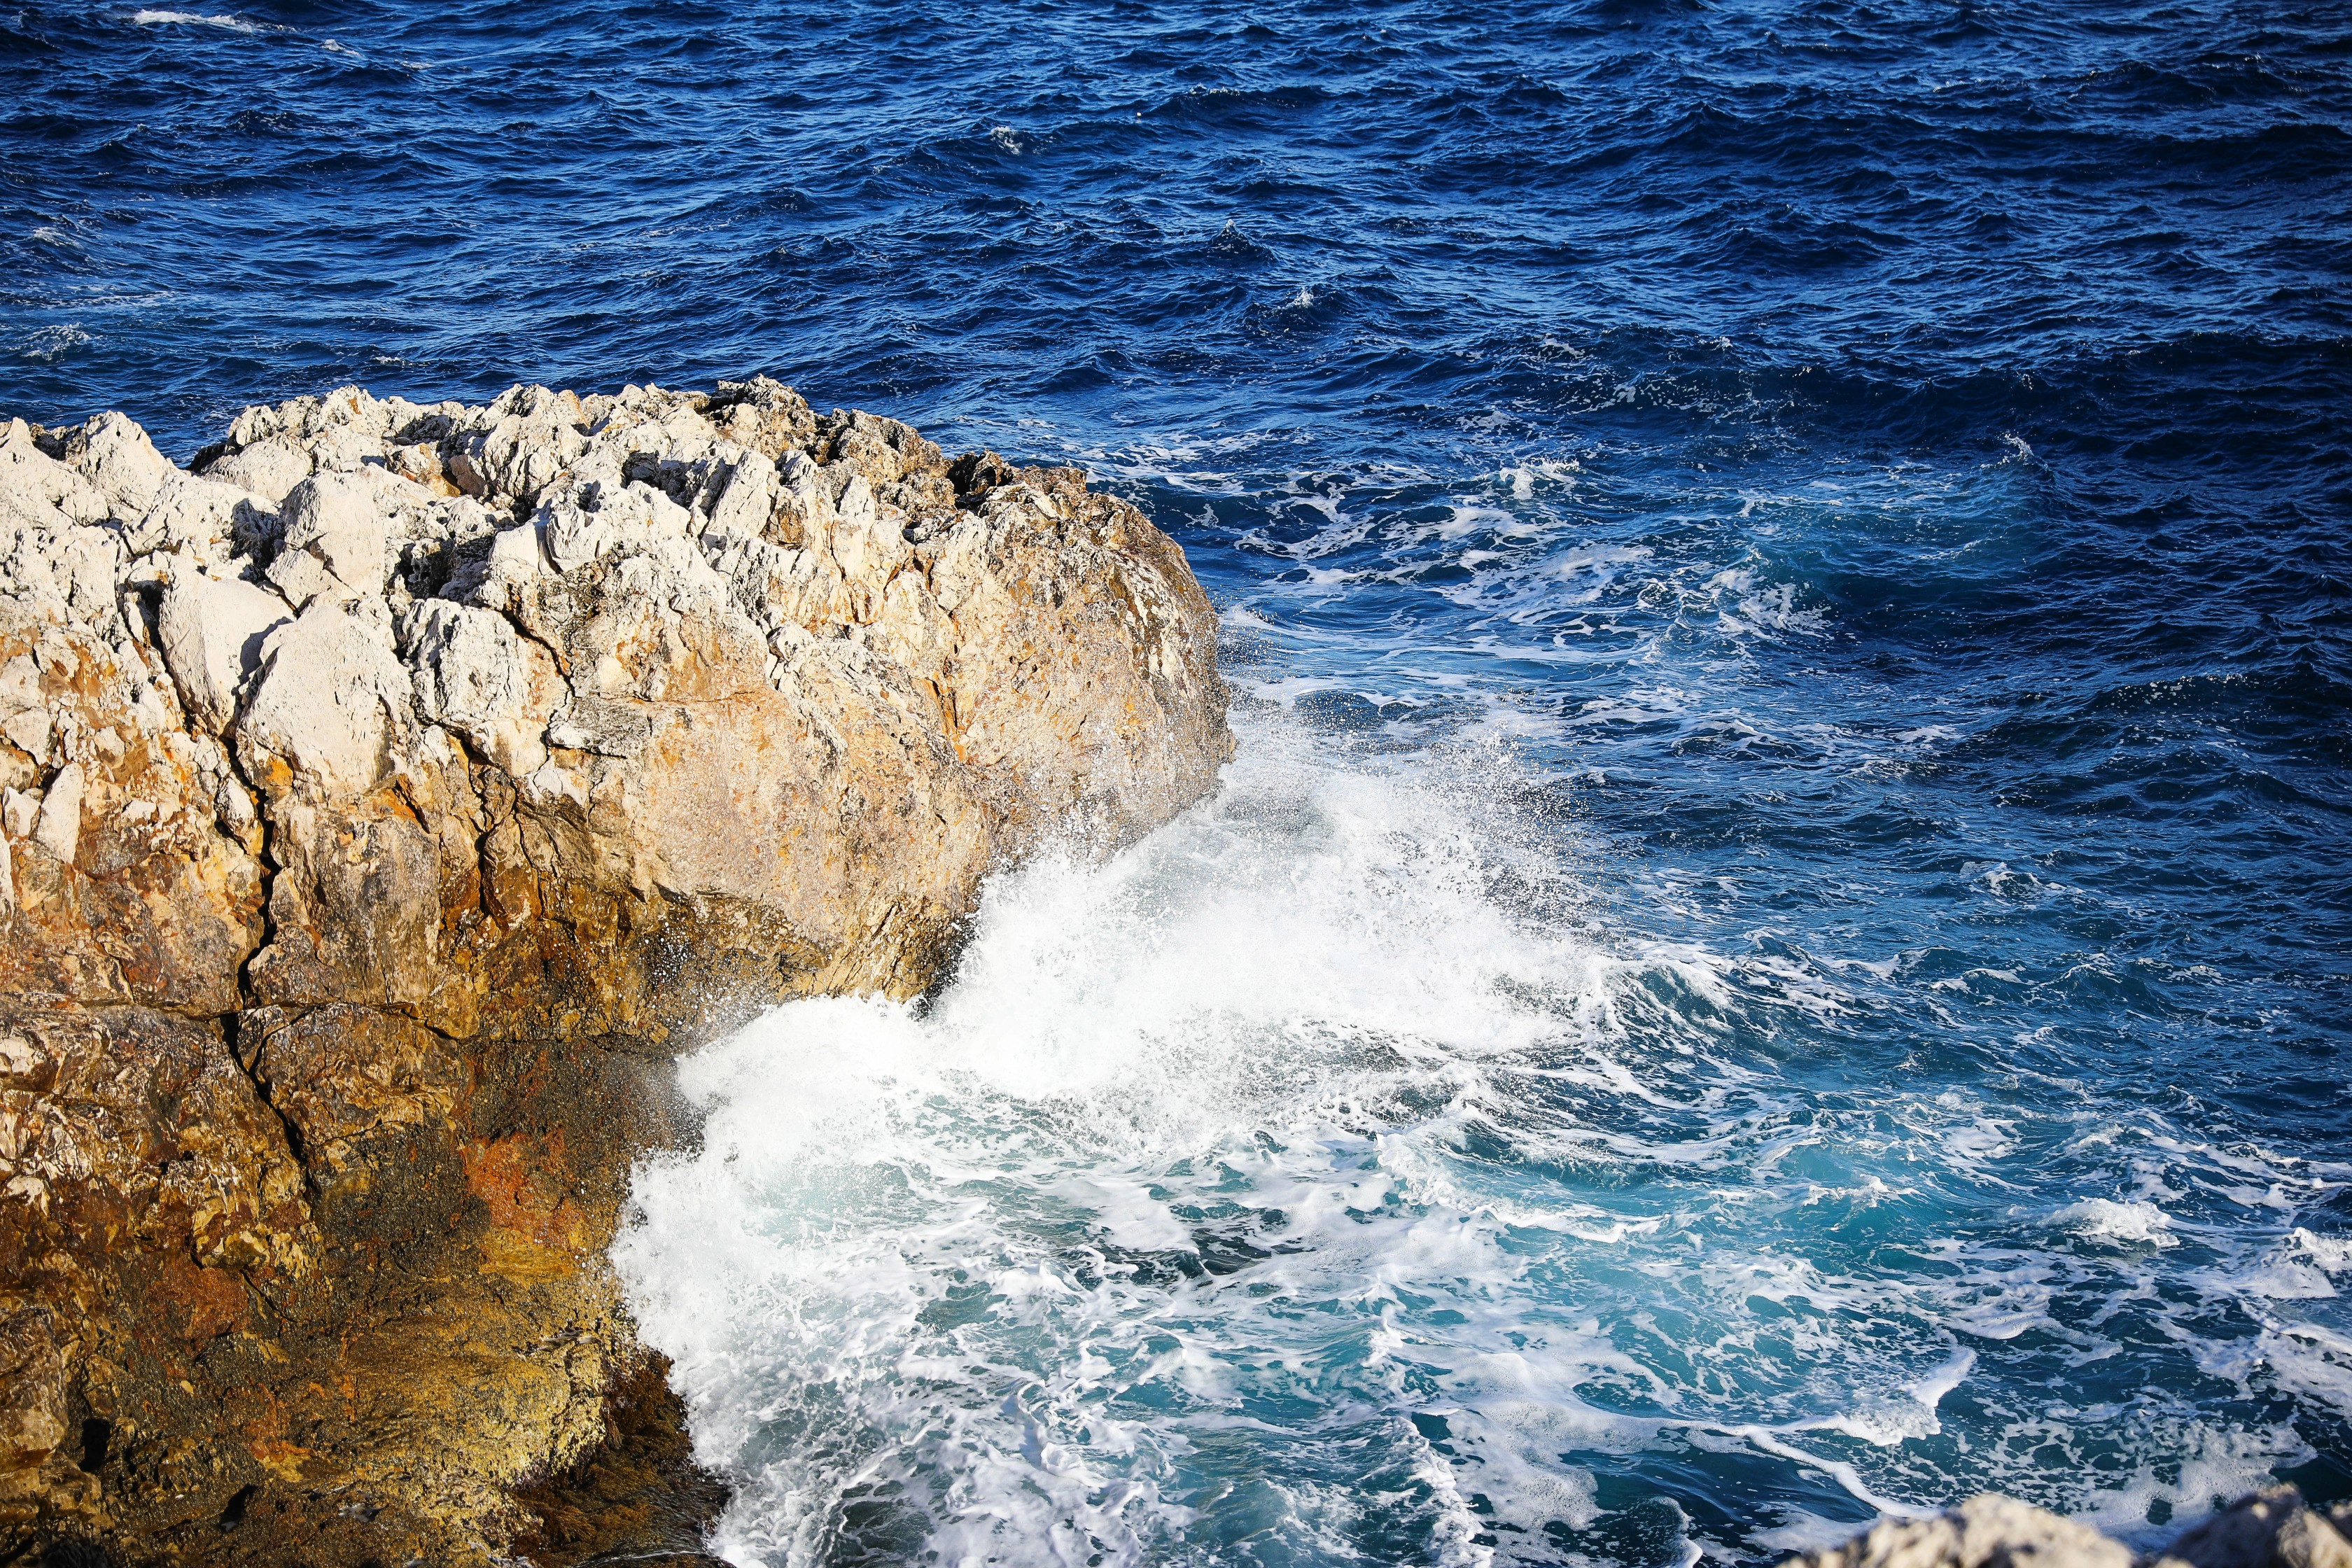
(381, 805)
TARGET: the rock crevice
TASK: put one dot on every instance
(382, 800)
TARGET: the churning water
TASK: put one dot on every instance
(1338, 1177)
(1777, 948)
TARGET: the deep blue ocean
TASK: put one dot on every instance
(1779, 944)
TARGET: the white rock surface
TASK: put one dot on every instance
(713, 651)
(2271, 1528)
(331, 705)
(57, 830)
(475, 673)
(1987, 1531)
(334, 532)
(121, 463)
(212, 630)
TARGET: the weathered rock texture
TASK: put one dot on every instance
(2273, 1528)
(380, 799)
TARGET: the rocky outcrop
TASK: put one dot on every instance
(1985, 1532)
(384, 800)
(2273, 1528)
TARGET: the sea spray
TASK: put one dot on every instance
(1313, 1183)
(992, 1270)
(1885, 463)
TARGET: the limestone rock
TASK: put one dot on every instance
(330, 705)
(212, 630)
(203, 519)
(383, 802)
(270, 469)
(1987, 1531)
(147, 890)
(475, 674)
(333, 539)
(115, 456)
(37, 490)
(57, 829)
(2272, 1529)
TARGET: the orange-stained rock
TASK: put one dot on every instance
(382, 805)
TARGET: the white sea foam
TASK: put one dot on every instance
(50, 344)
(194, 19)
(2331, 1254)
(1313, 1181)
(1235, 1008)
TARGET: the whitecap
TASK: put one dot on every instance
(1283, 1142)
(1929, 1389)
(194, 19)
(2133, 1223)
(2331, 1254)
(1233, 1006)
(48, 344)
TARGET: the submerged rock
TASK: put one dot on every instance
(380, 799)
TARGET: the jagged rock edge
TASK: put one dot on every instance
(262, 828)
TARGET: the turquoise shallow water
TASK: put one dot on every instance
(1777, 945)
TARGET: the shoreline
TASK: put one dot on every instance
(386, 802)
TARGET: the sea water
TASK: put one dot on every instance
(1776, 947)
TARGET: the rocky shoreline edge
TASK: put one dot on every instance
(2271, 1528)
(388, 797)
(385, 800)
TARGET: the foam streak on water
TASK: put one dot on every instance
(1314, 1184)
(1779, 944)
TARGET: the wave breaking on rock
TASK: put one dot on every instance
(381, 797)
